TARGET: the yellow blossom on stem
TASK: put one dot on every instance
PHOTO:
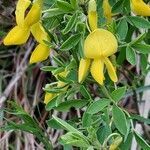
(49, 96)
(107, 10)
(98, 46)
(140, 8)
(31, 23)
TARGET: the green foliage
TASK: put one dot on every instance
(96, 117)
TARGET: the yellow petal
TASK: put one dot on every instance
(140, 8)
(107, 10)
(97, 68)
(40, 53)
(111, 70)
(92, 15)
(39, 33)
(100, 43)
(48, 97)
(83, 69)
(17, 36)
(33, 16)
(21, 7)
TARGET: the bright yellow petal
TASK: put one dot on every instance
(39, 33)
(140, 8)
(92, 15)
(107, 10)
(21, 7)
(48, 97)
(17, 36)
(33, 16)
(100, 43)
(111, 70)
(97, 68)
(83, 69)
(40, 53)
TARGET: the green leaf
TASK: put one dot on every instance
(48, 68)
(66, 125)
(118, 94)
(53, 12)
(117, 7)
(138, 22)
(74, 139)
(65, 106)
(98, 106)
(86, 119)
(130, 55)
(51, 104)
(122, 29)
(74, 3)
(142, 48)
(119, 119)
(126, 145)
(140, 119)
(84, 92)
(54, 124)
(137, 39)
(64, 6)
(70, 42)
(103, 132)
(144, 145)
(71, 23)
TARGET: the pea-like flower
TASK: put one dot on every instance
(140, 8)
(31, 23)
(98, 46)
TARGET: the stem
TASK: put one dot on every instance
(105, 91)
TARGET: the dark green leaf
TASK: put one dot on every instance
(65, 106)
(74, 139)
(84, 92)
(127, 144)
(70, 42)
(122, 29)
(86, 119)
(130, 55)
(71, 23)
(64, 6)
(138, 22)
(119, 119)
(118, 94)
(140, 118)
(66, 125)
(98, 106)
(142, 48)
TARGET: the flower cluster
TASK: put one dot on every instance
(26, 24)
(98, 46)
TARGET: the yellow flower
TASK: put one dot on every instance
(31, 23)
(42, 51)
(92, 15)
(107, 10)
(20, 33)
(98, 46)
(49, 96)
(140, 8)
